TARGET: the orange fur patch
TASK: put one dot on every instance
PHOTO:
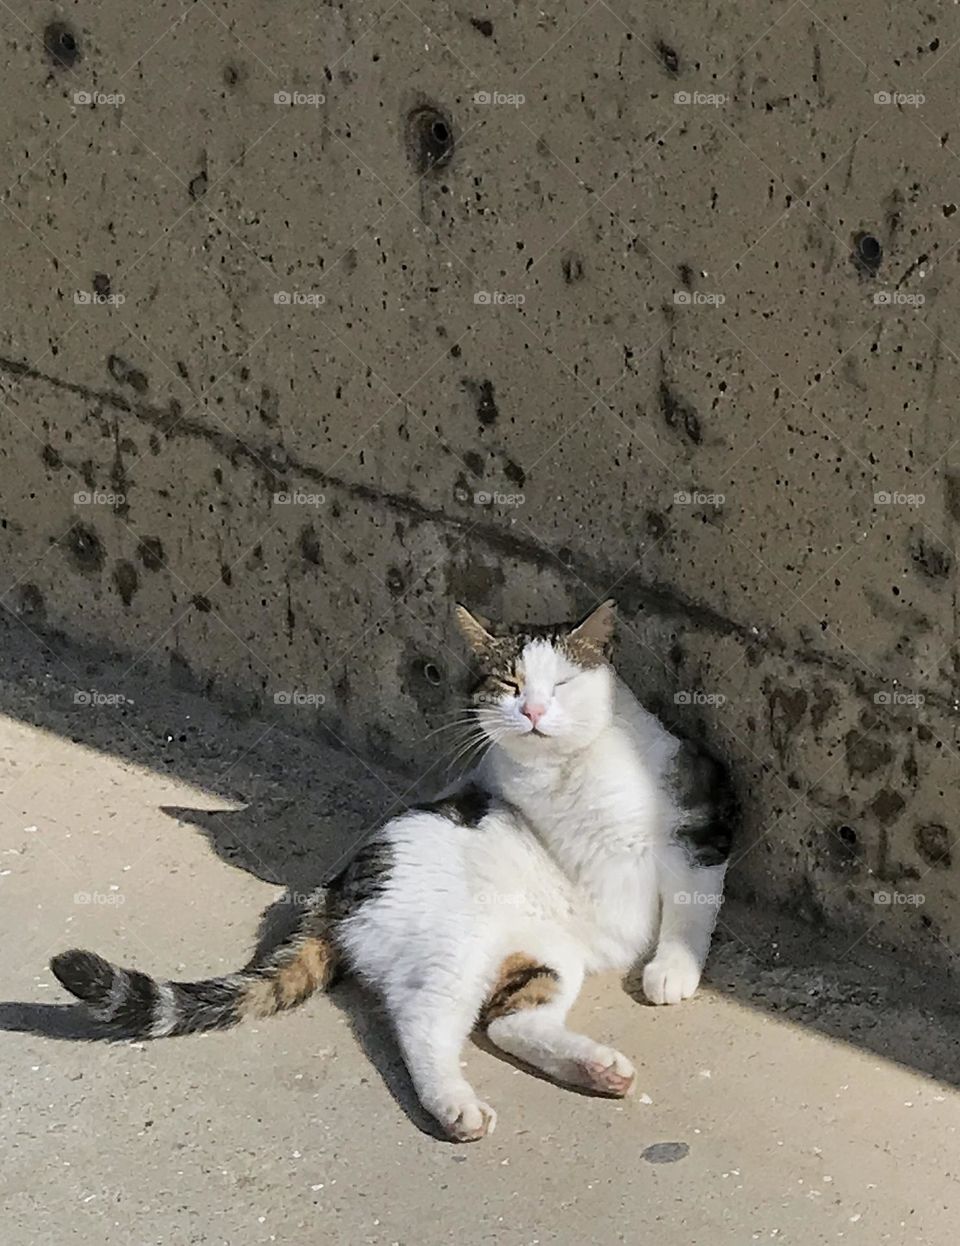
(521, 982)
(308, 967)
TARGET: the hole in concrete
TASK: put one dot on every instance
(430, 140)
(847, 834)
(868, 253)
(432, 674)
(61, 44)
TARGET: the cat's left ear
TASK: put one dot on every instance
(473, 631)
(598, 627)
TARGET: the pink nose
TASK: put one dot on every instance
(533, 712)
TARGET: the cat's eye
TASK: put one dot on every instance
(508, 685)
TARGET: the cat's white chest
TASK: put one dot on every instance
(601, 822)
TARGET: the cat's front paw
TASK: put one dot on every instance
(673, 975)
(468, 1122)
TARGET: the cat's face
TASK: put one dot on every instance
(543, 689)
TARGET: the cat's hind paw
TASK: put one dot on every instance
(608, 1073)
(673, 975)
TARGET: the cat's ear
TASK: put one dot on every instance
(598, 627)
(473, 631)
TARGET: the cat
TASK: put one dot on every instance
(586, 836)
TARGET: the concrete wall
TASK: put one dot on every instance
(682, 390)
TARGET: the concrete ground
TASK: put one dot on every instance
(807, 1095)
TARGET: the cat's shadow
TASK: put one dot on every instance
(249, 839)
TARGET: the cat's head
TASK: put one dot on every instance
(542, 689)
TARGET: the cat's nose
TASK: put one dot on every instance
(533, 712)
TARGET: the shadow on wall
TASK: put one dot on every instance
(305, 811)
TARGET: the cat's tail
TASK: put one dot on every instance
(134, 1005)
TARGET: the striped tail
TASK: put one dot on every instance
(134, 1005)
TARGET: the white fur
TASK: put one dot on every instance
(580, 873)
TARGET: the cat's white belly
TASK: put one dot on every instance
(497, 890)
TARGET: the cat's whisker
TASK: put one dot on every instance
(467, 720)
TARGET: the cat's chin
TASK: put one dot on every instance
(530, 745)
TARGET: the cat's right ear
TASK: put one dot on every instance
(473, 631)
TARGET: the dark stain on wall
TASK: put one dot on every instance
(84, 549)
(31, 605)
(474, 581)
(125, 374)
(485, 403)
(678, 414)
(126, 580)
(150, 553)
(514, 472)
(887, 806)
(269, 407)
(309, 545)
(62, 45)
(865, 754)
(51, 457)
(668, 58)
(787, 707)
(474, 462)
(933, 845)
(951, 486)
(929, 555)
(197, 187)
(572, 268)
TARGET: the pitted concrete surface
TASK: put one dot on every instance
(808, 1095)
(316, 321)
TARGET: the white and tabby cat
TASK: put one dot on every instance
(588, 837)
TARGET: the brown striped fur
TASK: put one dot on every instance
(521, 982)
(308, 965)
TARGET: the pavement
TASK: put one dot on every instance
(807, 1095)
